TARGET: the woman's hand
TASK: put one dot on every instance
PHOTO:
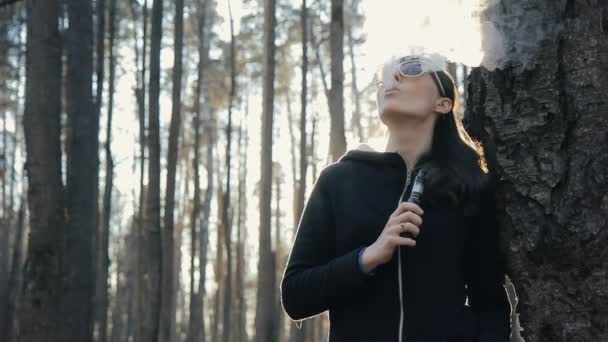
(406, 218)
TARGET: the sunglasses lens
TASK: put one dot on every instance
(411, 69)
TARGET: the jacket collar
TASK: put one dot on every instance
(367, 154)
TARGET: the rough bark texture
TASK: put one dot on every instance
(546, 116)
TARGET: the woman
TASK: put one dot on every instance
(351, 254)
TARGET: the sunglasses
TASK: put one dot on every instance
(414, 68)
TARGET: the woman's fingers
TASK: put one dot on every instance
(401, 228)
(408, 216)
(407, 206)
(403, 241)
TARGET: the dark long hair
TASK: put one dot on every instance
(458, 174)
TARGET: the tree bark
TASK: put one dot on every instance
(543, 117)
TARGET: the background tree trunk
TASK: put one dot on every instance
(168, 297)
(152, 245)
(82, 169)
(226, 203)
(337, 145)
(264, 318)
(39, 311)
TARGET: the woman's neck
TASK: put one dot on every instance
(410, 138)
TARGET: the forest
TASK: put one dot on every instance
(156, 156)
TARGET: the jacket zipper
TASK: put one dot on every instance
(401, 294)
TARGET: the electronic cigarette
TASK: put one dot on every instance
(415, 196)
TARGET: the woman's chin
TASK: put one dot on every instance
(389, 113)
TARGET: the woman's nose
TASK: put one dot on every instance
(397, 75)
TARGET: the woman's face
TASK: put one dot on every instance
(399, 95)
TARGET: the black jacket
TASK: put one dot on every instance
(347, 210)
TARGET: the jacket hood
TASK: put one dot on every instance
(365, 153)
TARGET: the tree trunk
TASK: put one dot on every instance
(219, 271)
(152, 232)
(265, 326)
(195, 300)
(278, 252)
(356, 117)
(15, 276)
(337, 144)
(168, 296)
(543, 117)
(82, 167)
(241, 321)
(139, 238)
(11, 232)
(209, 131)
(196, 325)
(226, 203)
(104, 231)
(298, 334)
(39, 313)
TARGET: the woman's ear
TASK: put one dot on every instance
(443, 105)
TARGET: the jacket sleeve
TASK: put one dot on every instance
(485, 270)
(315, 279)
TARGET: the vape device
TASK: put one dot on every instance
(415, 196)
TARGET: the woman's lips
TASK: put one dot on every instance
(390, 91)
